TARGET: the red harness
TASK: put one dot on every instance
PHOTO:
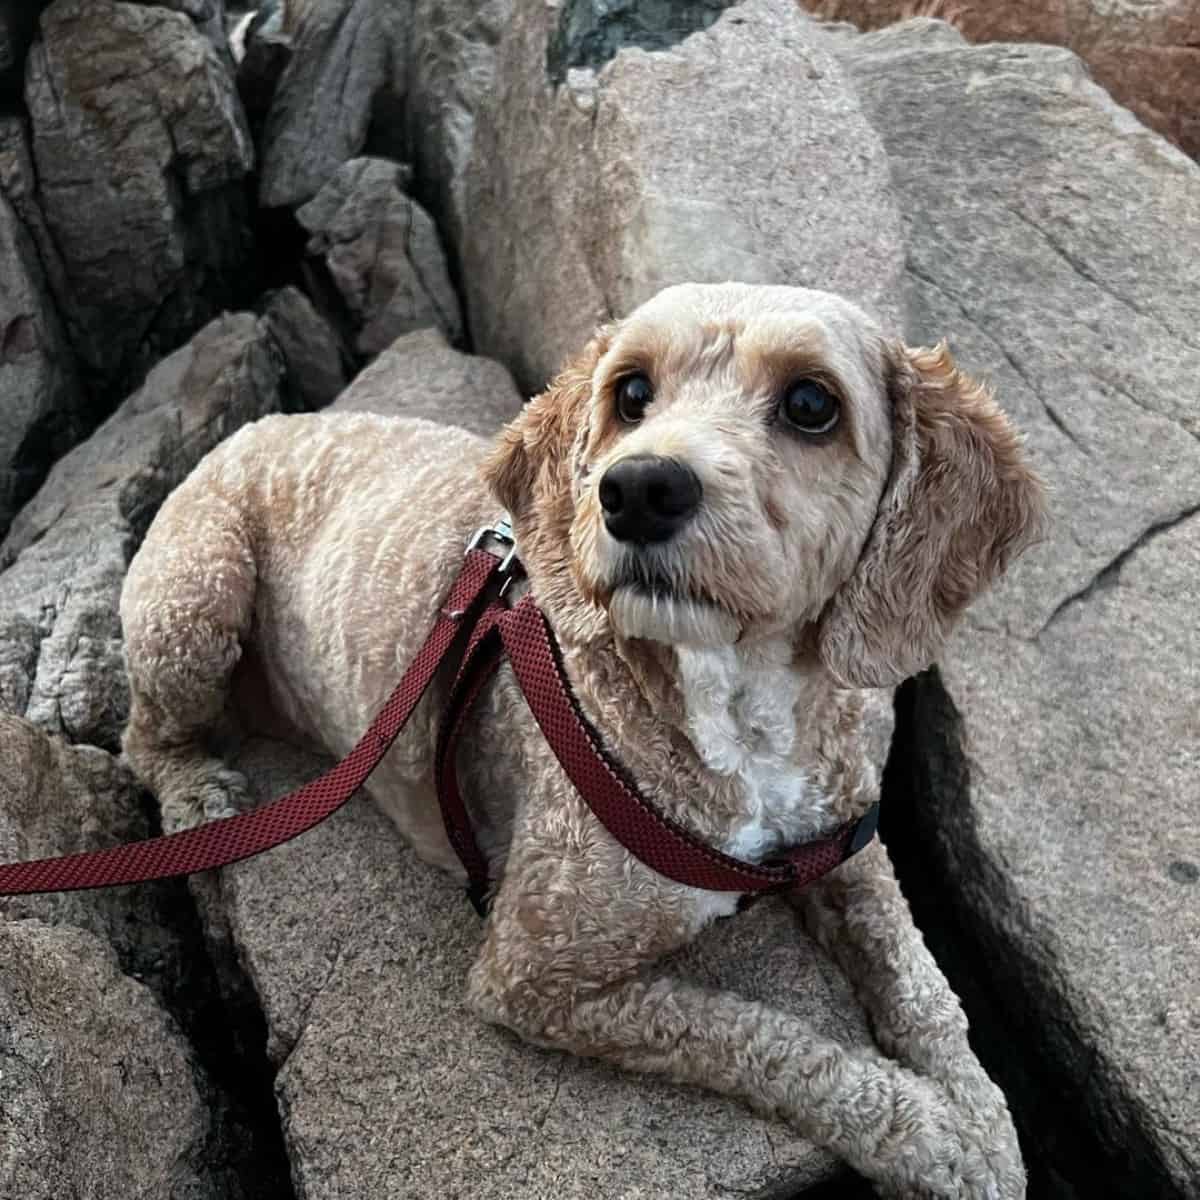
(521, 633)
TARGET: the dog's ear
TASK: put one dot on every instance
(531, 460)
(960, 503)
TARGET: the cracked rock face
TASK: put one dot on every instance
(66, 553)
(421, 375)
(141, 152)
(383, 253)
(1061, 260)
(376, 1047)
(1146, 52)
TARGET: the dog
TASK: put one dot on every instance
(738, 507)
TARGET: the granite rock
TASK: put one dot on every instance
(99, 1095)
(142, 153)
(1038, 780)
(65, 556)
(783, 182)
(381, 250)
(422, 375)
(347, 67)
(1147, 54)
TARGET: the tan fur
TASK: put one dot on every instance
(302, 563)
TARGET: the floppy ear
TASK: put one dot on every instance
(531, 463)
(959, 505)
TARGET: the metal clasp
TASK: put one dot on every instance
(502, 532)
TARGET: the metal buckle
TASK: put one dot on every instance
(502, 532)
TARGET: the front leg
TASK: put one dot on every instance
(565, 964)
(860, 917)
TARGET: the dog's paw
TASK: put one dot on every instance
(952, 1141)
(222, 792)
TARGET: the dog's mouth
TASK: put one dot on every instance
(646, 602)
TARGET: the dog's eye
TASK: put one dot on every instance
(809, 407)
(633, 394)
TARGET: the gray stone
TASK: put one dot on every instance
(1146, 53)
(382, 251)
(348, 65)
(421, 375)
(207, 15)
(1057, 242)
(59, 799)
(313, 355)
(44, 410)
(577, 202)
(67, 550)
(98, 1095)
(366, 1016)
(451, 77)
(141, 152)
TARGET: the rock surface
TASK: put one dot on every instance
(98, 1096)
(421, 375)
(575, 202)
(60, 799)
(43, 412)
(366, 1015)
(312, 352)
(67, 551)
(1061, 257)
(348, 65)
(1147, 53)
(141, 153)
(382, 251)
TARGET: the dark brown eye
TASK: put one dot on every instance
(809, 407)
(633, 394)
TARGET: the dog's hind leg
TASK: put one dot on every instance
(186, 607)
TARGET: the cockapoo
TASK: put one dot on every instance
(737, 507)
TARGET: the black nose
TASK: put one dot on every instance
(648, 499)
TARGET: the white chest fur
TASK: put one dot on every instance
(741, 714)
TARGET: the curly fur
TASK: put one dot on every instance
(299, 567)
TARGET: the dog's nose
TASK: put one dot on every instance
(648, 499)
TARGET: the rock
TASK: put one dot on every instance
(312, 354)
(382, 251)
(58, 799)
(207, 15)
(365, 1012)
(421, 375)
(1147, 54)
(451, 77)
(578, 200)
(1057, 242)
(141, 152)
(98, 1096)
(347, 67)
(66, 553)
(44, 409)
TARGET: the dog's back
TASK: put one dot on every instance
(319, 544)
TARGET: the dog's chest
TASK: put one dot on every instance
(742, 705)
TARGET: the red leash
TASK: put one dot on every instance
(523, 635)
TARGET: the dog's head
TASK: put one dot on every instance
(733, 461)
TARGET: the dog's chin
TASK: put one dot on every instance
(636, 612)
